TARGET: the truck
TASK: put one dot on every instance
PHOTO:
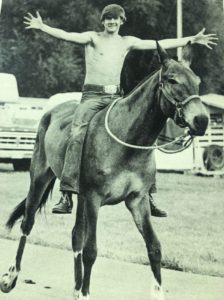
(19, 118)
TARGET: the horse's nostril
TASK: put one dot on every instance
(201, 122)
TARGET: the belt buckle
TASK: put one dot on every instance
(110, 89)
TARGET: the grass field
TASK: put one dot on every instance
(191, 237)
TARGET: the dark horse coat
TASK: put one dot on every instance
(111, 172)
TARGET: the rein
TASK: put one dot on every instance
(178, 113)
(185, 146)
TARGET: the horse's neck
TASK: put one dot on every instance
(138, 119)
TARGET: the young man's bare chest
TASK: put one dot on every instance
(107, 50)
(104, 60)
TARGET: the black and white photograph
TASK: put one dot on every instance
(112, 150)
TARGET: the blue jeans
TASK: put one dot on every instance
(91, 102)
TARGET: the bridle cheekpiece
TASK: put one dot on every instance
(179, 105)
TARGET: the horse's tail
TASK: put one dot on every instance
(16, 214)
(19, 210)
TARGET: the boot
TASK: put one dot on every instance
(155, 211)
(65, 204)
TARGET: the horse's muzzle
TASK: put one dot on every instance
(199, 125)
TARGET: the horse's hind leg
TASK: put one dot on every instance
(140, 210)
(8, 281)
(42, 180)
(38, 190)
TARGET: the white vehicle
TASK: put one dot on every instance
(19, 119)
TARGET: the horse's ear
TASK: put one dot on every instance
(187, 55)
(163, 55)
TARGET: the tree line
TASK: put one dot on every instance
(44, 65)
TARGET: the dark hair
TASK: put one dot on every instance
(113, 10)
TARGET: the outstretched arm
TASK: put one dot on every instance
(37, 23)
(207, 40)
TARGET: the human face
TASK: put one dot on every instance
(112, 24)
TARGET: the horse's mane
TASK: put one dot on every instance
(141, 82)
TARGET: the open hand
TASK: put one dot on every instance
(207, 40)
(33, 22)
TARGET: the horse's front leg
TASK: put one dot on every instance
(84, 243)
(92, 205)
(78, 236)
(140, 210)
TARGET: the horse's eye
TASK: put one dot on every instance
(172, 81)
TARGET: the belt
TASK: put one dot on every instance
(108, 89)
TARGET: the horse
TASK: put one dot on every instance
(115, 167)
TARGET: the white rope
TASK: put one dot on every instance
(131, 145)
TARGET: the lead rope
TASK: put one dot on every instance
(177, 139)
(185, 146)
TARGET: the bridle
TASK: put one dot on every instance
(178, 104)
(178, 116)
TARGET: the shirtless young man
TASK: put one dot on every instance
(104, 56)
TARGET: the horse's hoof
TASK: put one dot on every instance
(77, 295)
(157, 292)
(8, 281)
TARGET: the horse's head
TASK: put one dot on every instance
(179, 88)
